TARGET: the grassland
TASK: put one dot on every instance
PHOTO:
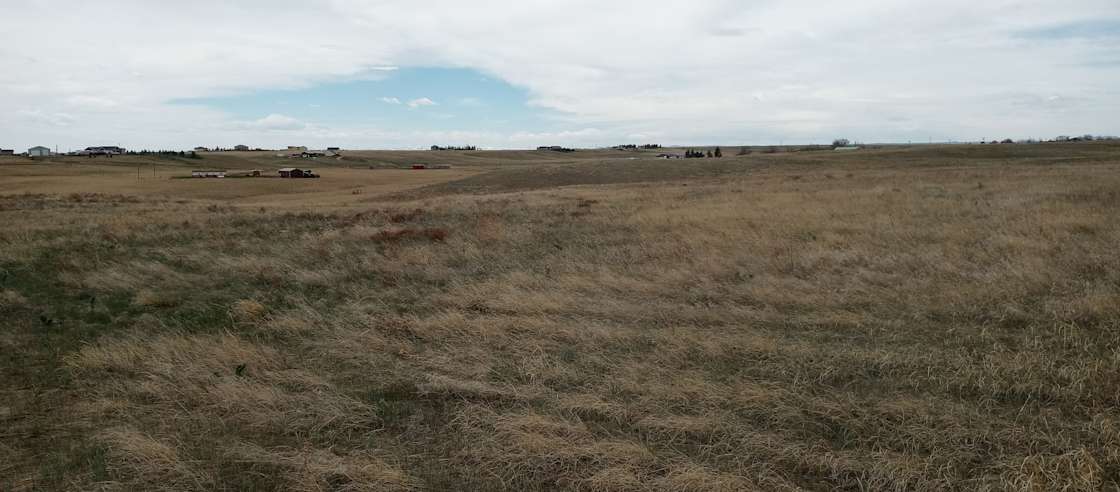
(912, 318)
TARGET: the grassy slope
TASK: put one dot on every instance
(799, 321)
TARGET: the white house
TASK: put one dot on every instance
(39, 151)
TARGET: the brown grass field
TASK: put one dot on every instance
(903, 318)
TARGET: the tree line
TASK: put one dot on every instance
(700, 154)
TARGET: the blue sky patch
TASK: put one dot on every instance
(1094, 29)
(405, 99)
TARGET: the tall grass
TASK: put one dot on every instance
(837, 327)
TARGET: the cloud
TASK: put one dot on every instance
(90, 102)
(716, 71)
(40, 117)
(390, 100)
(274, 122)
(421, 102)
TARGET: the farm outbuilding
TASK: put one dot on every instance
(292, 172)
(39, 151)
(213, 173)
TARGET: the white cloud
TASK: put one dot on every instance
(274, 122)
(709, 71)
(90, 102)
(390, 100)
(37, 116)
(421, 102)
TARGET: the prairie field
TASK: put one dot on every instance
(902, 318)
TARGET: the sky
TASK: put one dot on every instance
(162, 74)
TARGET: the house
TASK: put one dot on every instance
(39, 151)
(241, 148)
(208, 174)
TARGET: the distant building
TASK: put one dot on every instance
(297, 148)
(208, 174)
(201, 149)
(555, 148)
(241, 147)
(292, 172)
(847, 148)
(7, 152)
(334, 149)
(670, 156)
(39, 151)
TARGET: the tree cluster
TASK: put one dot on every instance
(635, 147)
(166, 153)
(700, 154)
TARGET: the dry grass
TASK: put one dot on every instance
(913, 319)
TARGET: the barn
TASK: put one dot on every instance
(39, 151)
